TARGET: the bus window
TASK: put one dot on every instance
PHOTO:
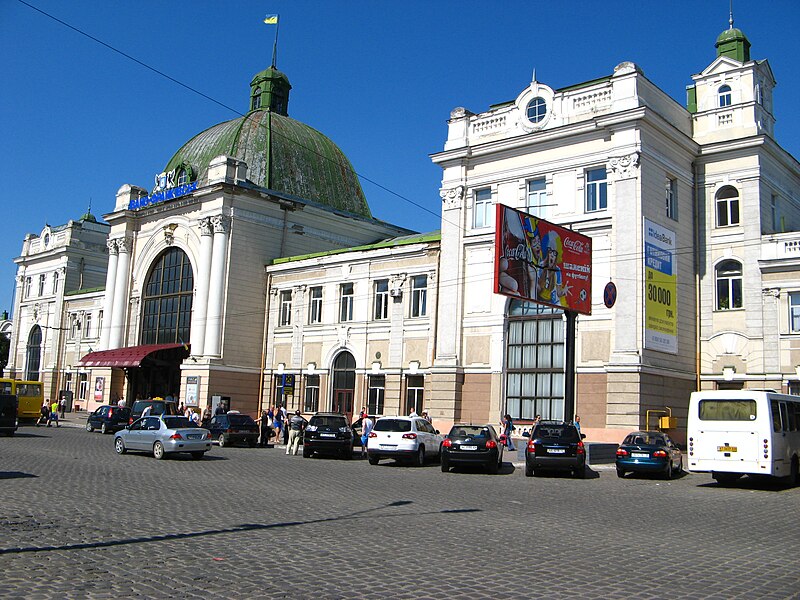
(784, 417)
(6, 387)
(776, 416)
(792, 411)
(727, 410)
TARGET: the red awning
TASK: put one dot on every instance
(132, 356)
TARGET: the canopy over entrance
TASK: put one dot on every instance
(149, 355)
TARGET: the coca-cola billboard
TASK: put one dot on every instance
(538, 261)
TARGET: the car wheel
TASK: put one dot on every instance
(89, 427)
(493, 468)
(725, 478)
(158, 451)
(197, 455)
(104, 429)
(307, 452)
(373, 460)
(221, 440)
(419, 459)
(251, 443)
(528, 470)
(794, 472)
(620, 473)
(445, 465)
(580, 472)
(119, 446)
(668, 471)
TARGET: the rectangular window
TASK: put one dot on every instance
(68, 382)
(537, 199)
(415, 393)
(55, 282)
(27, 287)
(482, 213)
(286, 308)
(87, 326)
(312, 394)
(419, 295)
(346, 302)
(381, 300)
(41, 284)
(83, 386)
(727, 410)
(794, 312)
(376, 394)
(99, 322)
(315, 305)
(672, 199)
(596, 190)
(75, 327)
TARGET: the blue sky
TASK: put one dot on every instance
(79, 120)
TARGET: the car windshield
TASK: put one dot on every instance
(473, 431)
(178, 422)
(392, 425)
(334, 422)
(241, 419)
(644, 438)
(556, 433)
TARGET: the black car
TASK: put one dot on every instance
(8, 414)
(472, 445)
(230, 428)
(555, 445)
(328, 433)
(108, 419)
(157, 407)
(358, 429)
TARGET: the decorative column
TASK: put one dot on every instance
(119, 312)
(108, 301)
(219, 260)
(200, 304)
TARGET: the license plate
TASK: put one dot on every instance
(195, 436)
(640, 455)
(469, 447)
(327, 435)
(556, 451)
(389, 446)
(726, 449)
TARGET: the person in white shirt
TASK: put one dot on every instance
(366, 428)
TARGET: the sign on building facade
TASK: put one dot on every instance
(660, 289)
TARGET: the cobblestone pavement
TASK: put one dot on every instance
(78, 521)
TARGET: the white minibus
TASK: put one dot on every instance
(744, 432)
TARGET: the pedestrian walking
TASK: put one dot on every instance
(62, 406)
(295, 425)
(54, 414)
(277, 423)
(508, 428)
(265, 426)
(44, 415)
(366, 428)
(206, 420)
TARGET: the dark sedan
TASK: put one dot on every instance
(108, 419)
(649, 452)
(555, 445)
(472, 445)
(232, 427)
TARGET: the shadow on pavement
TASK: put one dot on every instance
(240, 528)
(15, 475)
(752, 483)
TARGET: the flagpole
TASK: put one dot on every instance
(275, 45)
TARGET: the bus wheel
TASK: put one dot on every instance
(794, 472)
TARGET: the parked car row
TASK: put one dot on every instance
(553, 445)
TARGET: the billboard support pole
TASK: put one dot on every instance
(569, 366)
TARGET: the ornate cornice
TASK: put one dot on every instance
(452, 198)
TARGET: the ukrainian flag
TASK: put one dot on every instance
(271, 19)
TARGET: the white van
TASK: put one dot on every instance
(736, 432)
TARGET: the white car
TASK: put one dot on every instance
(403, 437)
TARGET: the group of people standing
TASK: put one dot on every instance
(49, 412)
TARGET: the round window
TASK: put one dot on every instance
(537, 109)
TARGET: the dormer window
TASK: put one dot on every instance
(537, 109)
(724, 94)
(183, 177)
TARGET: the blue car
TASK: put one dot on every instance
(649, 452)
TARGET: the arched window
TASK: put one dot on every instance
(344, 383)
(727, 201)
(33, 354)
(728, 275)
(535, 353)
(167, 303)
(724, 94)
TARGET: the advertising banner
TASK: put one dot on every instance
(99, 386)
(192, 385)
(538, 261)
(661, 289)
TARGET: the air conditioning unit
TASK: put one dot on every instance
(396, 292)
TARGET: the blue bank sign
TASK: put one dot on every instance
(163, 196)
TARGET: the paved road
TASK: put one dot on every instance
(78, 521)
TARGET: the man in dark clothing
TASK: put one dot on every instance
(296, 425)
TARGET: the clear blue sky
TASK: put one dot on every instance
(78, 120)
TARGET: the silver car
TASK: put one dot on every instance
(162, 435)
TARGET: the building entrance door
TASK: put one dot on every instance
(344, 384)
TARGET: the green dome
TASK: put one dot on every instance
(88, 217)
(733, 43)
(282, 155)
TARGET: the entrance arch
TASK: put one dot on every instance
(344, 383)
(33, 354)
